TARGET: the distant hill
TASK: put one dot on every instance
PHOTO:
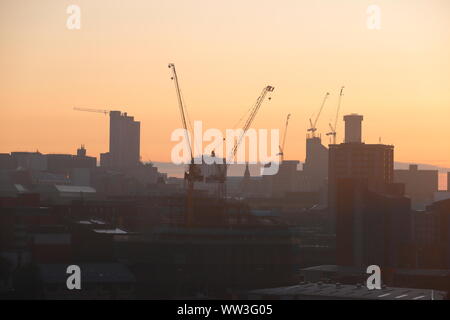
(405, 165)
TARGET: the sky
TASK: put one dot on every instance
(225, 52)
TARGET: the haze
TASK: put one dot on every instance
(225, 52)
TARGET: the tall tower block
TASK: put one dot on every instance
(353, 131)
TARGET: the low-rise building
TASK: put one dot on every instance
(420, 185)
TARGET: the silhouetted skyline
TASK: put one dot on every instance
(185, 183)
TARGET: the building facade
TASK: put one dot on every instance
(372, 163)
(420, 185)
(371, 228)
(315, 168)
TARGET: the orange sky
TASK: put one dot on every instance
(225, 52)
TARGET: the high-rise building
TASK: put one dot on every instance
(368, 211)
(355, 159)
(124, 142)
(315, 168)
(373, 163)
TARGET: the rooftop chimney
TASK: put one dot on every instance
(353, 128)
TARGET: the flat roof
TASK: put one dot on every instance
(77, 189)
(353, 145)
(111, 231)
(334, 268)
(400, 271)
(339, 291)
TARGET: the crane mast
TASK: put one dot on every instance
(333, 128)
(254, 110)
(313, 125)
(181, 107)
(250, 119)
(284, 138)
(193, 173)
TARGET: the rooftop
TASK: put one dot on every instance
(356, 292)
(77, 189)
(111, 231)
(356, 270)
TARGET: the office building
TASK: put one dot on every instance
(420, 185)
(367, 209)
(371, 227)
(315, 168)
(124, 142)
(30, 160)
(355, 159)
(7, 162)
(373, 163)
(440, 213)
(286, 180)
(65, 163)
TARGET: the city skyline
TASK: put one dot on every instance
(226, 154)
(397, 76)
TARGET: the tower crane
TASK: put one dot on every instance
(92, 110)
(193, 173)
(313, 125)
(333, 127)
(281, 153)
(250, 119)
(253, 111)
